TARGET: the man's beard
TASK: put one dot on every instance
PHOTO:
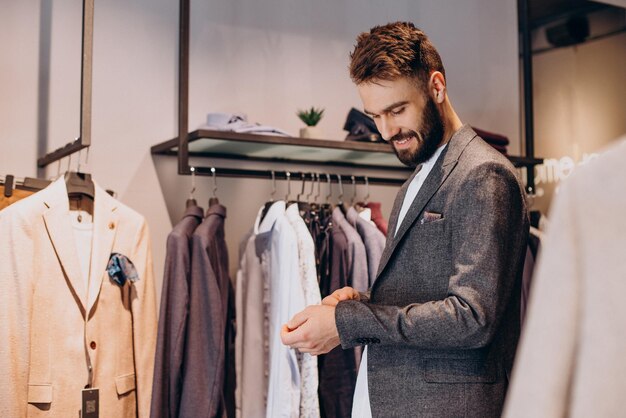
(428, 139)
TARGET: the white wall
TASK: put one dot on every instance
(267, 59)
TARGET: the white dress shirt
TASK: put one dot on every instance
(309, 400)
(361, 403)
(286, 299)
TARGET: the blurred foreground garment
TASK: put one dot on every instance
(571, 360)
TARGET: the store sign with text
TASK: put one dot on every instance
(555, 170)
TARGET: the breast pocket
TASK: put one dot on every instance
(428, 244)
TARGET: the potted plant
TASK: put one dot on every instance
(311, 118)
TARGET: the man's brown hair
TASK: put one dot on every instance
(394, 50)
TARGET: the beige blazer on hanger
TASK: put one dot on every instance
(44, 300)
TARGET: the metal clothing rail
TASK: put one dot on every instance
(324, 176)
(84, 140)
(26, 183)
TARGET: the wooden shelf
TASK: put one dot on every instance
(270, 148)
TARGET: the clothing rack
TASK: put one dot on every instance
(84, 140)
(306, 176)
(26, 183)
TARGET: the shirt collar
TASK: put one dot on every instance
(277, 209)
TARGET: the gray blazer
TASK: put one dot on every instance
(442, 318)
(205, 343)
(170, 348)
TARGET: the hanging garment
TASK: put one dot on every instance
(497, 141)
(252, 338)
(571, 359)
(377, 216)
(357, 256)
(16, 194)
(337, 368)
(309, 400)
(373, 239)
(286, 300)
(168, 370)
(52, 325)
(205, 347)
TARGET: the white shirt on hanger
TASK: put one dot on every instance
(309, 400)
(286, 299)
(83, 236)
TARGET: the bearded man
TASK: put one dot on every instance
(441, 322)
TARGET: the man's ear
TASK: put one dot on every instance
(438, 86)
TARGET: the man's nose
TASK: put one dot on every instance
(387, 127)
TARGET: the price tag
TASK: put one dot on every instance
(91, 403)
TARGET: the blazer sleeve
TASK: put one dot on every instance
(489, 230)
(144, 321)
(16, 250)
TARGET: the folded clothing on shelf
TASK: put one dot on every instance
(499, 142)
(361, 127)
(238, 122)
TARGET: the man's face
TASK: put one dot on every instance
(405, 116)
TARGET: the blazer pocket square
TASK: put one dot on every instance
(429, 217)
(121, 269)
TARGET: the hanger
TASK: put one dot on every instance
(361, 205)
(8, 185)
(319, 189)
(80, 188)
(325, 208)
(340, 202)
(303, 206)
(330, 190)
(214, 200)
(288, 176)
(191, 201)
(311, 197)
(78, 183)
(310, 194)
(530, 197)
(269, 203)
(353, 198)
(535, 215)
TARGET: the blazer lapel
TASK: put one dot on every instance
(397, 205)
(59, 228)
(393, 219)
(438, 175)
(104, 230)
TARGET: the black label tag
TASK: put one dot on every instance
(91, 403)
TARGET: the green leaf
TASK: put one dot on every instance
(311, 117)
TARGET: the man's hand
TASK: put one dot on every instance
(312, 331)
(345, 293)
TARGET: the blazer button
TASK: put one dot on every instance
(375, 340)
(92, 345)
(111, 225)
